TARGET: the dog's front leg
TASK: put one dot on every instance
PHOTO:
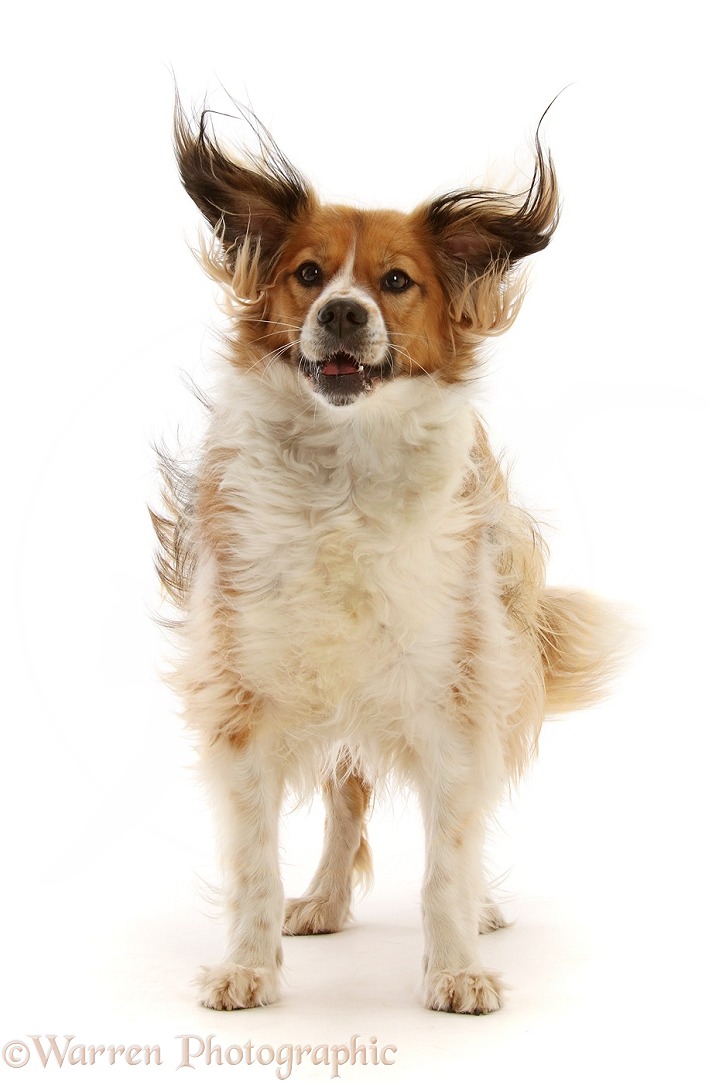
(246, 788)
(451, 799)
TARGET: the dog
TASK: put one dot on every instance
(359, 597)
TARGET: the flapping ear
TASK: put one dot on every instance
(481, 235)
(480, 228)
(249, 202)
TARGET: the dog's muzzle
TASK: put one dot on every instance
(344, 350)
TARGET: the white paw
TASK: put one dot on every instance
(468, 992)
(491, 918)
(230, 986)
(314, 914)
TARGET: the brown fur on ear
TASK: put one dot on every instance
(481, 228)
(480, 235)
(252, 200)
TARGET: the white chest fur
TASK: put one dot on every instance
(346, 542)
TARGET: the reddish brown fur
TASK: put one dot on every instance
(417, 318)
(460, 250)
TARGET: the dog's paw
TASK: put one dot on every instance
(230, 986)
(468, 992)
(312, 914)
(491, 918)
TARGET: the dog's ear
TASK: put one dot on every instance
(480, 236)
(481, 228)
(253, 200)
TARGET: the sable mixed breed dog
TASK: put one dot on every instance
(358, 594)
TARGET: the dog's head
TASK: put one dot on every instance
(353, 298)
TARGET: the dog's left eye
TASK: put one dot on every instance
(396, 281)
(309, 274)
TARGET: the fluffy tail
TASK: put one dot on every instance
(583, 642)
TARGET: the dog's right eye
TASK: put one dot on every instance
(309, 274)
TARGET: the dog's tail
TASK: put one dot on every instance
(583, 641)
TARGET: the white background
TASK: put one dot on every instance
(607, 399)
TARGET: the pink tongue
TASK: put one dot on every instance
(339, 368)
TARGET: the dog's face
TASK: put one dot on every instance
(353, 299)
(358, 299)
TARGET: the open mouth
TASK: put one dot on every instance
(341, 377)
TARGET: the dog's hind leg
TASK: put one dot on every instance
(325, 906)
(490, 916)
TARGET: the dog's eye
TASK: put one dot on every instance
(309, 274)
(396, 281)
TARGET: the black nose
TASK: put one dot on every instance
(343, 317)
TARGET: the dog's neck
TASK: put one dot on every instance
(413, 437)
